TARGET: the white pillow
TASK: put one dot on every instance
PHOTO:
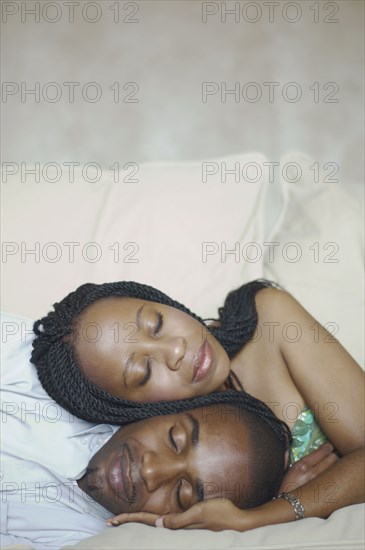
(343, 530)
(324, 224)
(151, 230)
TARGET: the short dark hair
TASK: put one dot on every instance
(262, 450)
(267, 461)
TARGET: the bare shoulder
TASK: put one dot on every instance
(324, 373)
(274, 302)
(269, 296)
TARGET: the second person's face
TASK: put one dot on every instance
(166, 464)
(145, 351)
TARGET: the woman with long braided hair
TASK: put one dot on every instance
(121, 352)
(58, 355)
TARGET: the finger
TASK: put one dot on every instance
(316, 456)
(324, 464)
(138, 517)
(308, 473)
(185, 520)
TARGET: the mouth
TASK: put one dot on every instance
(203, 362)
(120, 476)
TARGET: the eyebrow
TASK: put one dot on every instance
(131, 357)
(138, 317)
(195, 428)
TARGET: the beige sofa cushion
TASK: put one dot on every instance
(169, 213)
(344, 529)
(319, 255)
(169, 229)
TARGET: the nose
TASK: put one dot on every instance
(167, 351)
(174, 351)
(157, 470)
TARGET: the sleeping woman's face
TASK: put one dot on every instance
(146, 351)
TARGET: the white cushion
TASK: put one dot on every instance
(344, 529)
(169, 213)
(324, 224)
(152, 231)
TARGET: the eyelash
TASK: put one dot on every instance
(178, 495)
(172, 441)
(147, 376)
(159, 323)
(159, 326)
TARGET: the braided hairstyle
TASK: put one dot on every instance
(66, 384)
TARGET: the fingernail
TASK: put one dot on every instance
(159, 522)
(114, 522)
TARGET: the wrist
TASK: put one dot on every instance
(294, 501)
(271, 513)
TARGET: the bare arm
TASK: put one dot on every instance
(328, 378)
(331, 383)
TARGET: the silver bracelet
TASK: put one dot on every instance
(295, 502)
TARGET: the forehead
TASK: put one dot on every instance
(108, 307)
(217, 426)
(217, 432)
(223, 456)
(98, 318)
(126, 308)
(222, 426)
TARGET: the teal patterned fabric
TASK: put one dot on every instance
(307, 436)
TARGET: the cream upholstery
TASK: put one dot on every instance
(160, 224)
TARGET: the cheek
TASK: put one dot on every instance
(109, 378)
(101, 368)
(168, 386)
(159, 502)
(222, 359)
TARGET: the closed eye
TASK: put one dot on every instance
(159, 323)
(172, 440)
(178, 499)
(179, 485)
(178, 488)
(147, 376)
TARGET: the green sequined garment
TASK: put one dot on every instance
(307, 436)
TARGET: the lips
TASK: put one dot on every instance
(203, 362)
(120, 476)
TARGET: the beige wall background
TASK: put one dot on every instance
(167, 51)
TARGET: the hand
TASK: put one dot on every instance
(308, 468)
(215, 514)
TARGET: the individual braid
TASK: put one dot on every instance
(238, 316)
